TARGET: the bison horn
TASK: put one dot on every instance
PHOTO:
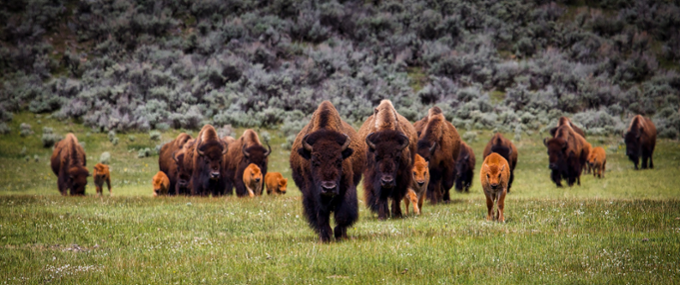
(269, 151)
(305, 144)
(405, 144)
(198, 145)
(545, 141)
(370, 144)
(245, 152)
(434, 145)
(198, 149)
(174, 157)
(346, 144)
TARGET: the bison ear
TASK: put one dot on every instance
(174, 157)
(347, 152)
(545, 141)
(307, 155)
(564, 146)
(369, 142)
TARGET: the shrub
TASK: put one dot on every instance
(25, 130)
(155, 135)
(470, 136)
(105, 158)
(4, 129)
(131, 138)
(111, 135)
(144, 152)
(49, 138)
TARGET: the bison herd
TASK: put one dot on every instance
(398, 161)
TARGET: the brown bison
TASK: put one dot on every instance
(439, 144)
(101, 174)
(465, 166)
(276, 184)
(640, 141)
(567, 154)
(565, 121)
(391, 145)
(161, 184)
(495, 176)
(597, 161)
(506, 149)
(209, 175)
(252, 179)
(184, 165)
(327, 161)
(418, 188)
(167, 164)
(68, 163)
(242, 152)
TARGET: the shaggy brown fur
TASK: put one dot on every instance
(495, 176)
(101, 174)
(68, 163)
(242, 152)
(597, 161)
(564, 121)
(168, 165)
(465, 168)
(327, 161)
(417, 191)
(439, 143)
(276, 184)
(208, 176)
(506, 149)
(567, 154)
(184, 161)
(391, 145)
(161, 184)
(640, 138)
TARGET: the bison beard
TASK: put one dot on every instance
(387, 174)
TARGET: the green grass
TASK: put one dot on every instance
(621, 229)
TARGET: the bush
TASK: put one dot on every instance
(155, 135)
(49, 138)
(114, 141)
(131, 138)
(111, 135)
(105, 158)
(470, 136)
(145, 152)
(25, 130)
(4, 129)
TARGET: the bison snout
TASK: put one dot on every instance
(214, 175)
(257, 179)
(328, 187)
(421, 183)
(494, 186)
(387, 181)
(553, 166)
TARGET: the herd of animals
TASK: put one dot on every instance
(398, 160)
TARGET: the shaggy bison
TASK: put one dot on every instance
(505, 148)
(101, 174)
(465, 166)
(275, 182)
(419, 180)
(252, 179)
(597, 161)
(68, 163)
(391, 145)
(567, 153)
(495, 176)
(439, 144)
(242, 152)
(161, 184)
(167, 164)
(640, 141)
(566, 121)
(184, 165)
(208, 174)
(327, 161)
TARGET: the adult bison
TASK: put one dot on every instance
(567, 154)
(465, 167)
(208, 174)
(166, 162)
(506, 149)
(439, 144)
(566, 121)
(327, 160)
(640, 141)
(242, 152)
(68, 163)
(391, 146)
(184, 163)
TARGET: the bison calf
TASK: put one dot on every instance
(161, 184)
(275, 182)
(252, 179)
(495, 176)
(506, 149)
(418, 188)
(101, 174)
(597, 161)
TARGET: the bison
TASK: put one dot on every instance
(242, 152)
(327, 161)
(439, 144)
(495, 176)
(275, 182)
(391, 144)
(167, 164)
(68, 163)
(506, 149)
(567, 154)
(640, 141)
(252, 179)
(597, 161)
(184, 165)
(565, 121)
(418, 188)
(465, 166)
(101, 174)
(208, 174)
(161, 184)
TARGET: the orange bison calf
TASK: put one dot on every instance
(161, 184)
(101, 174)
(418, 188)
(495, 174)
(275, 182)
(252, 179)
(597, 161)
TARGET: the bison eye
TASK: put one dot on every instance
(487, 176)
(414, 173)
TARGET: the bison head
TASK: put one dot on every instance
(386, 148)
(326, 151)
(557, 152)
(183, 175)
(420, 168)
(253, 173)
(77, 179)
(494, 175)
(426, 149)
(633, 145)
(210, 154)
(257, 155)
(283, 184)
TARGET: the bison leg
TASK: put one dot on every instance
(447, 183)
(396, 208)
(489, 207)
(512, 178)
(108, 184)
(501, 207)
(604, 163)
(346, 213)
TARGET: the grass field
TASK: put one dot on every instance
(621, 229)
